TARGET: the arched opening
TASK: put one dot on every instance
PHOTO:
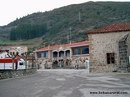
(67, 53)
(55, 54)
(61, 54)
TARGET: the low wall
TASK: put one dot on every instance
(15, 73)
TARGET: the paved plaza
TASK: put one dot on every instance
(67, 83)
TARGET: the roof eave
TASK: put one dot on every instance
(107, 32)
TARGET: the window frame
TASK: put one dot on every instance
(80, 50)
(110, 57)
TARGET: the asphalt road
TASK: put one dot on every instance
(67, 83)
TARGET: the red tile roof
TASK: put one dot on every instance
(76, 44)
(112, 28)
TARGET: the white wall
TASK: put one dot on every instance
(3, 55)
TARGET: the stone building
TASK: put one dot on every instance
(110, 48)
(64, 55)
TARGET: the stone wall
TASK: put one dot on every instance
(123, 51)
(103, 43)
(15, 73)
(69, 63)
(128, 43)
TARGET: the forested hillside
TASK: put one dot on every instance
(27, 31)
(54, 26)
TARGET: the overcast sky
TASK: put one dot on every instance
(12, 9)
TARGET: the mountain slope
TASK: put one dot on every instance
(75, 19)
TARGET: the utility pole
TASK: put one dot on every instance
(70, 35)
(79, 16)
(68, 38)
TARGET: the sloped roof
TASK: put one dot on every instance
(112, 28)
(76, 44)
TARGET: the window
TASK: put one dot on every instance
(61, 54)
(39, 55)
(67, 53)
(85, 50)
(80, 50)
(21, 63)
(76, 51)
(110, 58)
(55, 54)
(45, 54)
